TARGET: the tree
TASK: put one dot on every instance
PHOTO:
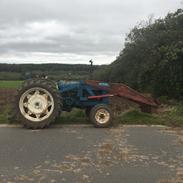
(152, 59)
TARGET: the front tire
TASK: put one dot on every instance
(101, 116)
(38, 103)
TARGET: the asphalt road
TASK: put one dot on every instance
(83, 154)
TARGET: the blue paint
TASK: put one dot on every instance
(75, 94)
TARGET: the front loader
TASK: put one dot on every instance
(40, 101)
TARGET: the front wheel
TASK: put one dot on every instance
(101, 116)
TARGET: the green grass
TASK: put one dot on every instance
(73, 117)
(137, 117)
(76, 116)
(10, 84)
(172, 116)
(4, 117)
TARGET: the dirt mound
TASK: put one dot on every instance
(6, 98)
(119, 105)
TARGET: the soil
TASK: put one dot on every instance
(119, 105)
(6, 98)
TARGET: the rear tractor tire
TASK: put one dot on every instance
(38, 103)
(87, 111)
(101, 116)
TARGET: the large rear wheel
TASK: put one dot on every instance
(87, 111)
(38, 103)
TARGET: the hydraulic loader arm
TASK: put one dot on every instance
(146, 104)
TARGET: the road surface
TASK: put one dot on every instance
(83, 154)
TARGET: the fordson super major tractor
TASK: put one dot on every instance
(40, 101)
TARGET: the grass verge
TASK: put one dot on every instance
(4, 117)
(74, 117)
(170, 115)
(10, 84)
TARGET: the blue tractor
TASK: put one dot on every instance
(40, 101)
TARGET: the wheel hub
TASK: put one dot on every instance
(37, 104)
(102, 116)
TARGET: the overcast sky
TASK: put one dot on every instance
(71, 31)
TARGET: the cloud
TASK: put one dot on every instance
(71, 31)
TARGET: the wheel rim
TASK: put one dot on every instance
(36, 104)
(102, 116)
